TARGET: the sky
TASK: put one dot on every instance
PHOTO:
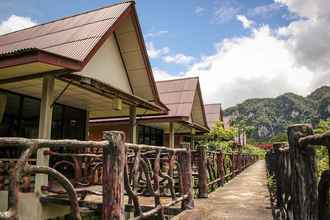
(239, 49)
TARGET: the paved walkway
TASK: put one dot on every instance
(246, 197)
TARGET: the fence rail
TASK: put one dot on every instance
(212, 169)
(121, 168)
(298, 193)
(122, 175)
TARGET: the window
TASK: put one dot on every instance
(57, 123)
(29, 122)
(74, 123)
(10, 122)
(149, 135)
(21, 118)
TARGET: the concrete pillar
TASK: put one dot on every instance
(45, 125)
(132, 124)
(171, 135)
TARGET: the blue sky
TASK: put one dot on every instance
(190, 27)
(239, 49)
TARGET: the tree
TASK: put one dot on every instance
(219, 133)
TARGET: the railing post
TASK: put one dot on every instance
(114, 160)
(186, 177)
(323, 190)
(303, 174)
(239, 162)
(232, 167)
(220, 167)
(202, 173)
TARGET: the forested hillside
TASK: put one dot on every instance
(270, 117)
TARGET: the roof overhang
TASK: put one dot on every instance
(152, 120)
(34, 55)
(108, 91)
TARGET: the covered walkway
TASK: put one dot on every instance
(246, 197)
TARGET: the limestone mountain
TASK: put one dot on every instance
(271, 116)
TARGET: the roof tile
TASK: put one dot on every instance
(72, 37)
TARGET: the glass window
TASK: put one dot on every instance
(30, 118)
(57, 123)
(10, 122)
(150, 135)
(74, 123)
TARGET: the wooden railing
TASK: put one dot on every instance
(120, 168)
(212, 169)
(298, 194)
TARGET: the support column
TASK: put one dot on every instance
(45, 125)
(171, 135)
(193, 133)
(87, 126)
(132, 124)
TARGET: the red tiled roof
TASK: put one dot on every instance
(178, 95)
(213, 114)
(72, 37)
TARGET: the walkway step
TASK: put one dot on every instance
(246, 197)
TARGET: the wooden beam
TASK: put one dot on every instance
(132, 125)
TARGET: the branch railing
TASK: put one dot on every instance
(123, 169)
(212, 169)
(298, 193)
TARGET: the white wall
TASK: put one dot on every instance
(107, 66)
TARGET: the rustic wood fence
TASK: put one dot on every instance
(211, 169)
(115, 177)
(299, 196)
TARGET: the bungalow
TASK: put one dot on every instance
(214, 113)
(55, 77)
(185, 118)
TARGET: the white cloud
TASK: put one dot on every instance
(308, 38)
(154, 53)
(245, 22)
(259, 65)
(265, 10)
(267, 63)
(225, 11)
(312, 9)
(156, 34)
(15, 23)
(160, 74)
(179, 58)
(199, 10)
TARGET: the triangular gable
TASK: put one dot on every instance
(198, 112)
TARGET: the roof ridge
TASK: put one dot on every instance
(70, 16)
(182, 78)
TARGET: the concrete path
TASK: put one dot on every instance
(246, 197)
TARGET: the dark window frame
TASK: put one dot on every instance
(20, 112)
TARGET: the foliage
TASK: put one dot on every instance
(219, 133)
(280, 137)
(251, 149)
(225, 146)
(321, 152)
